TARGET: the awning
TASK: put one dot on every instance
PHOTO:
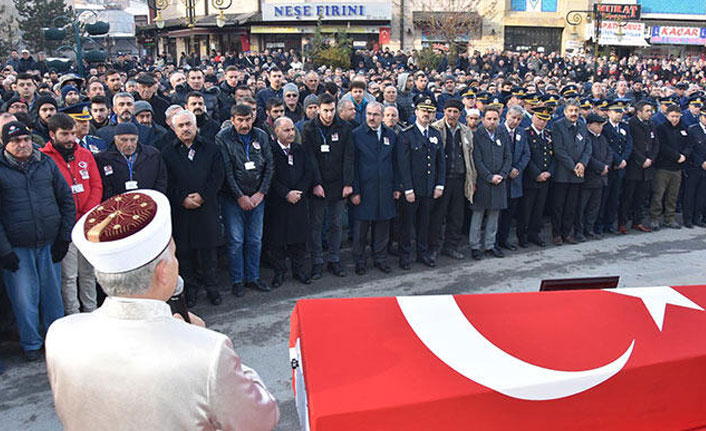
(231, 19)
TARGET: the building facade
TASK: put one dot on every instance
(518, 25)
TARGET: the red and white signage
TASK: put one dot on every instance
(622, 359)
(384, 35)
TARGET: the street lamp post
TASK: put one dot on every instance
(597, 16)
(57, 32)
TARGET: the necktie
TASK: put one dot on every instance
(426, 133)
(286, 151)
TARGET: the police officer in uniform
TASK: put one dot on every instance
(690, 115)
(422, 169)
(81, 113)
(617, 133)
(535, 180)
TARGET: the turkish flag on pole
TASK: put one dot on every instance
(622, 359)
(384, 35)
(245, 42)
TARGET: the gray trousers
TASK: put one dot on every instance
(380, 237)
(334, 219)
(491, 228)
(78, 282)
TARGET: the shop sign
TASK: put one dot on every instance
(622, 34)
(328, 11)
(678, 35)
(622, 12)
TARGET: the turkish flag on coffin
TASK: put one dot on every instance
(624, 359)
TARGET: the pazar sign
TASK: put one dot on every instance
(618, 12)
(328, 11)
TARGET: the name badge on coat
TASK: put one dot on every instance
(622, 132)
(290, 160)
(334, 137)
(249, 166)
(385, 140)
(325, 148)
(579, 137)
(497, 141)
(683, 132)
(77, 188)
(130, 185)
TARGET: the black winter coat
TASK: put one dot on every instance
(289, 223)
(36, 206)
(673, 142)
(601, 156)
(148, 170)
(645, 146)
(333, 169)
(198, 169)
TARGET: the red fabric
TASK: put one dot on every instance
(245, 42)
(366, 369)
(92, 186)
(384, 35)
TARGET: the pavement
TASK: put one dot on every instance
(259, 322)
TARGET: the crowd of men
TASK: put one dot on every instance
(272, 158)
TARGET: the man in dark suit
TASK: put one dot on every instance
(329, 142)
(617, 133)
(535, 181)
(374, 188)
(695, 176)
(422, 170)
(595, 179)
(493, 159)
(572, 151)
(520, 158)
(640, 170)
(287, 204)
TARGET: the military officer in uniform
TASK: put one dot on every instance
(617, 133)
(691, 114)
(422, 169)
(535, 184)
(81, 114)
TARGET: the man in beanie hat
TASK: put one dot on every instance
(128, 165)
(292, 108)
(171, 375)
(36, 216)
(311, 110)
(70, 95)
(44, 108)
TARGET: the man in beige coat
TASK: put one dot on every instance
(457, 140)
(131, 364)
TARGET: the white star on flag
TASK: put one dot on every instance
(656, 300)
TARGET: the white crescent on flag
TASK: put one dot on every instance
(444, 329)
